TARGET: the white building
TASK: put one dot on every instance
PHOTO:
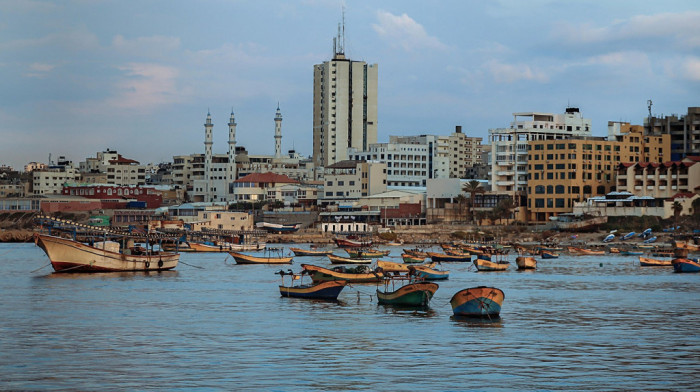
(508, 157)
(344, 107)
(51, 180)
(219, 170)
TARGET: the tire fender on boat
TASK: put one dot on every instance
(160, 263)
(148, 264)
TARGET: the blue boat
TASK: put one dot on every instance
(645, 233)
(328, 290)
(650, 240)
(549, 255)
(428, 273)
(685, 265)
(628, 235)
(609, 238)
(479, 301)
(631, 253)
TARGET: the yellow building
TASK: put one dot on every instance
(561, 172)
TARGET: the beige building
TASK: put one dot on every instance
(223, 220)
(344, 108)
(50, 181)
(31, 166)
(255, 187)
(660, 180)
(464, 152)
(347, 181)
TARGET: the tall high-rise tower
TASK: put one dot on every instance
(344, 106)
(231, 168)
(208, 141)
(278, 133)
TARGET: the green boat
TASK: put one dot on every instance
(414, 293)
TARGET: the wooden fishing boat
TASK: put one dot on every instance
(345, 260)
(328, 290)
(614, 250)
(411, 258)
(549, 255)
(488, 265)
(526, 262)
(443, 257)
(427, 272)
(348, 243)
(415, 252)
(278, 228)
(413, 293)
(479, 301)
(366, 253)
(224, 247)
(685, 265)
(648, 262)
(310, 252)
(268, 258)
(686, 245)
(67, 255)
(585, 252)
(663, 253)
(631, 253)
(390, 266)
(359, 274)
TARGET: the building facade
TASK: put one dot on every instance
(347, 181)
(344, 108)
(684, 132)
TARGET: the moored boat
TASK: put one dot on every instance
(407, 258)
(348, 243)
(648, 262)
(479, 301)
(390, 266)
(443, 257)
(359, 274)
(268, 258)
(685, 265)
(224, 247)
(278, 228)
(430, 273)
(366, 253)
(346, 260)
(310, 252)
(413, 293)
(415, 252)
(67, 255)
(549, 255)
(488, 265)
(631, 253)
(526, 262)
(585, 252)
(328, 290)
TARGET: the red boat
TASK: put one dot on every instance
(346, 243)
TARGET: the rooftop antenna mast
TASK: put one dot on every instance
(649, 103)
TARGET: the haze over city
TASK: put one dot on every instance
(81, 76)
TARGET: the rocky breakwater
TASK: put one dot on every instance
(16, 235)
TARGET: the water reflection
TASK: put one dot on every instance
(121, 275)
(478, 322)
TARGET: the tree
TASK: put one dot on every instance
(677, 209)
(472, 187)
(505, 208)
(461, 201)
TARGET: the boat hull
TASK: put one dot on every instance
(199, 247)
(248, 259)
(366, 253)
(448, 258)
(549, 255)
(427, 273)
(390, 266)
(486, 265)
(344, 243)
(685, 265)
(525, 262)
(344, 260)
(304, 252)
(647, 262)
(412, 294)
(325, 290)
(412, 259)
(477, 302)
(320, 274)
(72, 256)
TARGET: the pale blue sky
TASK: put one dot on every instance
(77, 77)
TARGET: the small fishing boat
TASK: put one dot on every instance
(648, 262)
(430, 273)
(366, 253)
(278, 228)
(310, 252)
(224, 247)
(415, 252)
(646, 233)
(686, 245)
(345, 260)
(268, 258)
(614, 250)
(348, 243)
(650, 240)
(390, 266)
(631, 252)
(359, 274)
(443, 257)
(411, 258)
(628, 235)
(488, 265)
(549, 255)
(585, 252)
(609, 238)
(685, 265)
(526, 262)
(479, 301)
(415, 292)
(663, 253)
(68, 255)
(328, 290)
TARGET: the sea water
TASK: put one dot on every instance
(576, 323)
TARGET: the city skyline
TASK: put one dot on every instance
(80, 76)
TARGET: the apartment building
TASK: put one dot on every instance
(684, 132)
(347, 181)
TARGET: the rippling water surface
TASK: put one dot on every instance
(589, 322)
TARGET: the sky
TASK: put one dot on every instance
(82, 76)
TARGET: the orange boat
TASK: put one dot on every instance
(585, 252)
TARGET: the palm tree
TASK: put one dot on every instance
(472, 187)
(461, 200)
(505, 208)
(677, 209)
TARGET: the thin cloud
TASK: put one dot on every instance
(691, 69)
(149, 46)
(403, 31)
(511, 73)
(147, 86)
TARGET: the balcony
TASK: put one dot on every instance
(504, 183)
(506, 173)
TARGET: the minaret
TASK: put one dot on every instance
(208, 126)
(278, 133)
(231, 168)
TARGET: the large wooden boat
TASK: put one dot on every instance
(359, 274)
(266, 259)
(526, 262)
(585, 252)
(67, 255)
(413, 293)
(685, 265)
(310, 252)
(328, 290)
(366, 253)
(443, 257)
(479, 301)
(347, 260)
(488, 265)
(348, 243)
(648, 262)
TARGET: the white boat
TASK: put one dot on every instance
(629, 235)
(278, 227)
(67, 255)
(609, 238)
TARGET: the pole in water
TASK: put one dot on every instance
(358, 297)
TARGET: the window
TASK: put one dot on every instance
(550, 189)
(559, 203)
(539, 189)
(539, 203)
